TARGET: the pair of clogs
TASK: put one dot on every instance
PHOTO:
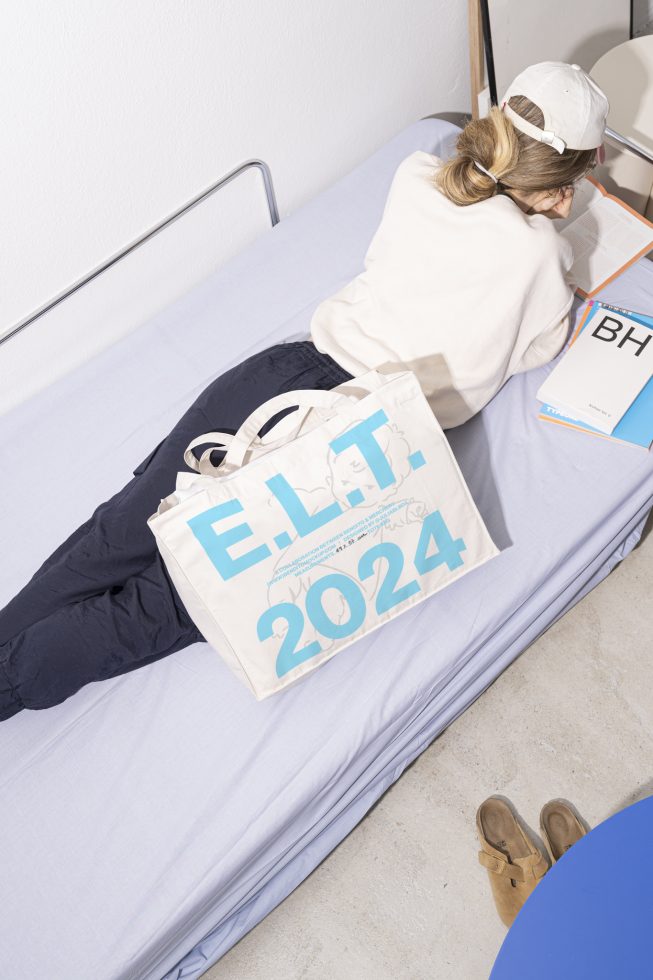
(511, 854)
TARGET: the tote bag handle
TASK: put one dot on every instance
(222, 440)
(225, 440)
(305, 398)
(247, 436)
(331, 398)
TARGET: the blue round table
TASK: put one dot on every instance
(591, 916)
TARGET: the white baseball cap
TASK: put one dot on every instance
(575, 108)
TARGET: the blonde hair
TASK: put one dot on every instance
(516, 159)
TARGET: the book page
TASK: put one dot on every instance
(605, 235)
(585, 195)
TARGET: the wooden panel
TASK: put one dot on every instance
(476, 53)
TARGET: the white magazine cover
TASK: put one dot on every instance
(603, 371)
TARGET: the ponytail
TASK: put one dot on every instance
(517, 160)
(493, 142)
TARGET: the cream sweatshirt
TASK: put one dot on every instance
(463, 296)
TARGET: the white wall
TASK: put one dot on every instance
(115, 113)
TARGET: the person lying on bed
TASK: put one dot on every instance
(465, 282)
(470, 286)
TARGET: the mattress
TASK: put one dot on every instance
(151, 820)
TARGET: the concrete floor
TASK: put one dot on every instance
(403, 897)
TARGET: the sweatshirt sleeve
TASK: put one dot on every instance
(554, 278)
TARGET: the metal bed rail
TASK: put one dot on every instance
(614, 137)
(222, 182)
(457, 118)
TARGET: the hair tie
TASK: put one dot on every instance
(488, 172)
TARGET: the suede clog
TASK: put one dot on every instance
(561, 826)
(513, 860)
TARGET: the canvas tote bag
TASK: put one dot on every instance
(297, 545)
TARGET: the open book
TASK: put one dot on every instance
(606, 236)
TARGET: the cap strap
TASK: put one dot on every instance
(488, 172)
(543, 135)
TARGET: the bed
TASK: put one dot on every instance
(151, 820)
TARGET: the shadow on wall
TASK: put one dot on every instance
(638, 173)
(638, 81)
(592, 47)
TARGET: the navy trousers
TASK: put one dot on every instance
(102, 604)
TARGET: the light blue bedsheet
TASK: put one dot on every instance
(152, 820)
